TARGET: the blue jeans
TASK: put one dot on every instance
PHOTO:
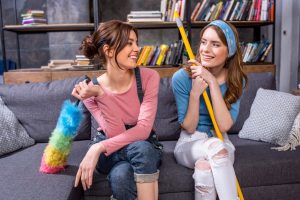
(136, 162)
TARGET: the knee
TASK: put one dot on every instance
(217, 151)
(202, 165)
(120, 176)
(143, 155)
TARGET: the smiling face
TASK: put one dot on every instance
(213, 52)
(127, 57)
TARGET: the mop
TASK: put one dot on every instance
(205, 95)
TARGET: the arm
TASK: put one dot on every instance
(191, 119)
(222, 114)
(145, 120)
(187, 98)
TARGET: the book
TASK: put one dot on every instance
(195, 11)
(266, 52)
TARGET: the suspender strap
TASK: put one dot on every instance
(139, 84)
(95, 82)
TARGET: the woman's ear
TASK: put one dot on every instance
(108, 52)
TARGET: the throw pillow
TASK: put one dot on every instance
(271, 117)
(13, 136)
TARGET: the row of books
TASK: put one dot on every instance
(161, 55)
(234, 10)
(256, 51)
(33, 17)
(168, 7)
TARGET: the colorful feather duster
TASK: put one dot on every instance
(58, 149)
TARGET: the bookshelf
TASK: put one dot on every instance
(190, 26)
(45, 28)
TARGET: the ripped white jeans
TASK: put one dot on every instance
(214, 172)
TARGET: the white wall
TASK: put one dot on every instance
(289, 44)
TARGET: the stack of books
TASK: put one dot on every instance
(145, 16)
(34, 17)
(83, 62)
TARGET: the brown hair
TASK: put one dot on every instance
(236, 77)
(113, 33)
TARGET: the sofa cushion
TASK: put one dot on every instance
(255, 81)
(13, 136)
(271, 117)
(166, 122)
(21, 170)
(37, 106)
(257, 165)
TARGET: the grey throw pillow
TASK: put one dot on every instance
(271, 117)
(13, 136)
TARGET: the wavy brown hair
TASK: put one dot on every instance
(236, 78)
(113, 33)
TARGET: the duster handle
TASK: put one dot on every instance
(87, 79)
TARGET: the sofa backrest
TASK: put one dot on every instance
(38, 105)
(264, 80)
(166, 122)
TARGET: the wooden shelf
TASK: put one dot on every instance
(21, 76)
(238, 24)
(197, 24)
(49, 27)
(156, 25)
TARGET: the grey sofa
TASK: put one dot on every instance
(262, 173)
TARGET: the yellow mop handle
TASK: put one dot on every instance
(205, 96)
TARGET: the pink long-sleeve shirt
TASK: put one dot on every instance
(113, 110)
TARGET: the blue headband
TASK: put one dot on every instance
(229, 34)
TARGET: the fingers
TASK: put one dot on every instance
(83, 180)
(86, 178)
(78, 175)
(90, 178)
(75, 93)
(194, 62)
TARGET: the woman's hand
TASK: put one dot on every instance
(83, 91)
(198, 70)
(198, 86)
(88, 165)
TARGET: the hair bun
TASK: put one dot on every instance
(88, 47)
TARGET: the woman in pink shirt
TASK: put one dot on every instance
(125, 147)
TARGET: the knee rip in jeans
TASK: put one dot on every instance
(204, 189)
(202, 165)
(219, 154)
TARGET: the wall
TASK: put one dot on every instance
(289, 58)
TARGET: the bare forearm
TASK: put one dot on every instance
(221, 112)
(192, 116)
